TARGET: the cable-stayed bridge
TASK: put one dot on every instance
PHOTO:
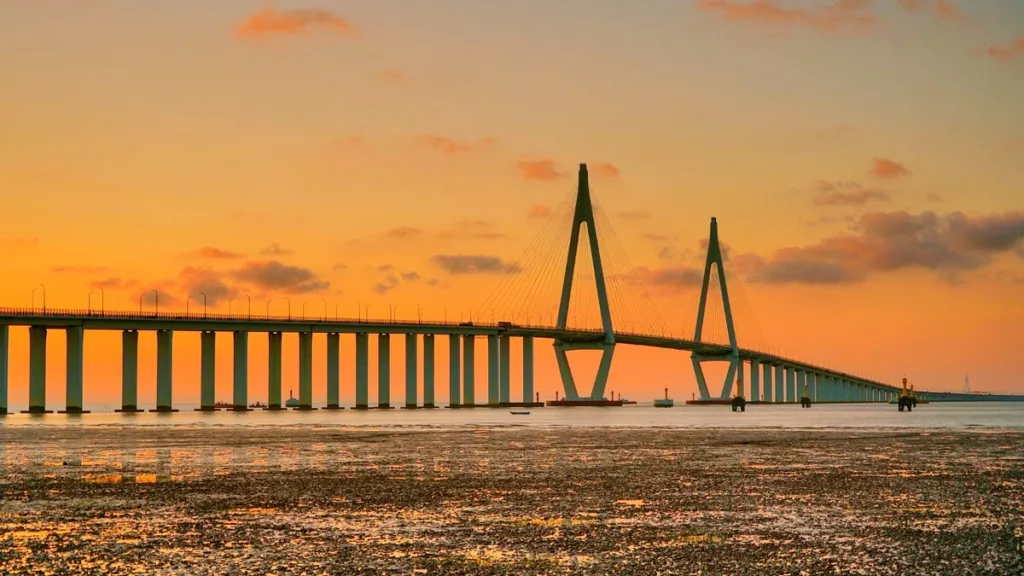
(574, 286)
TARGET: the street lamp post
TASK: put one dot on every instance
(359, 316)
(204, 304)
(445, 314)
(289, 307)
(325, 308)
(419, 314)
(34, 297)
(304, 309)
(187, 300)
(336, 311)
(90, 302)
(140, 302)
(230, 301)
(248, 300)
(156, 302)
(268, 307)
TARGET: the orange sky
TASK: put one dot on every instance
(862, 158)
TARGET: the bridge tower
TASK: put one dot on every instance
(733, 355)
(584, 215)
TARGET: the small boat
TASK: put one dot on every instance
(519, 412)
(292, 401)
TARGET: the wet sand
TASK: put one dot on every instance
(509, 501)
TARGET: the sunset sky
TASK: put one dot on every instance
(863, 159)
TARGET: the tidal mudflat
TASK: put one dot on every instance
(297, 500)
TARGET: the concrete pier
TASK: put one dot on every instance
(74, 384)
(780, 379)
(208, 371)
(493, 364)
(766, 372)
(333, 371)
(164, 370)
(37, 370)
(755, 380)
(812, 387)
(129, 371)
(240, 401)
(454, 370)
(468, 370)
(362, 371)
(428, 371)
(791, 384)
(801, 382)
(5, 336)
(410, 371)
(528, 369)
(306, 371)
(274, 341)
(383, 371)
(504, 369)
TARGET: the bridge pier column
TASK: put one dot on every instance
(454, 370)
(73, 400)
(492, 369)
(812, 386)
(801, 383)
(305, 371)
(164, 370)
(5, 336)
(333, 371)
(780, 379)
(362, 371)
(528, 369)
(207, 370)
(755, 380)
(766, 372)
(468, 370)
(410, 371)
(274, 340)
(428, 371)
(505, 369)
(383, 371)
(129, 371)
(37, 370)
(790, 384)
(241, 373)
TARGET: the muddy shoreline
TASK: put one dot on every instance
(509, 501)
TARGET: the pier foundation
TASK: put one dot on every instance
(74, 402)
(129, 371)
(5, 335)
(410, 371)
(164, 370)
(306, 371)
(208, 371)
(384, 371)
(37, 371)
(468, 370)
(362, 371)
(333, 371)
(428, 371)
(274, 341)
(454, 370)
(240, 401)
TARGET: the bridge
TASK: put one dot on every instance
(772, 377)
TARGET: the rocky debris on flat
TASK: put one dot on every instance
(509, 502)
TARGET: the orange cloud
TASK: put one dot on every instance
(829, 16)
(606, 169)
(394, 76)
(915, 5)
(947, 9)
(453, 147)
(300, 21)
(538, 211)
(211, 253)
(887, 169)
(539, 169)
(846, 194)
(404, 232)
(1009, 51)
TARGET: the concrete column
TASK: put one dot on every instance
(528, 369)
(333, 370)
(362, 371)
(801, 384)
(241, 388)
(305, 371)
(428, 371)
(37, 370)
(383, 370)
(75, 356)
(454, 369)
(410, 371)
(164, 374)
(208, 371)
(129, 371)
(812, 386)
(274, 370)
(5, 336)
(493, 364)
(755, 380)
(780, 379)
(504, 370)
(790, 384)
(766, 373)
(468, 370)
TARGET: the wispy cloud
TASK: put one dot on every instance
(270, 21)
(211, 253)
(1007, 52)
(846, 194)
(604, 169)
(454, 147)
(887, 169)
(473, 264)
(275, 249)
(825, 15)
(543, 169)
(538, 211)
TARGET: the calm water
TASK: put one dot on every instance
(995, 415)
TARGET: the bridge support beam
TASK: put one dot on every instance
(790, 384)
(306, 371)
(780, 378)
(504, 369)
(766, 373)
(755, 380)
(5, 336)
(333, 371)
(410, 370)
(493, 366)
(73, 402)
(207, 370)
(428, 371)
(362, 371)
(164, 370)
(383, 371)
(129, 371)
(454, 370)
(468, 370)
(528, 369)
(240, 400)
(274, 341)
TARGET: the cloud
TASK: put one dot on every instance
(543, 169)
(79, 269)
(394, 76)
(198, 281)
(933, 197)
(113, 283)
(384, 267)
(473, 229)
(1009, 51)
(211, 253)
(271, 21)
(275, 276)
(948, 10)
(157, 297)
(605, 169)
(410, 276)
(887, 169)
(276, 249)
(404, 232)
(339, 267)
(392, 281)
(19, 243)
(890, 241)
(473, 264)
(454, 147)
(538, 211)
(824, 15)
(915, 5)
(725, 248)
(634, 214)
(670, 277)
(846, 194)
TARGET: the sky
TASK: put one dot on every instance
(862, 159)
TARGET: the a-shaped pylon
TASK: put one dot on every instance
(733, 355)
